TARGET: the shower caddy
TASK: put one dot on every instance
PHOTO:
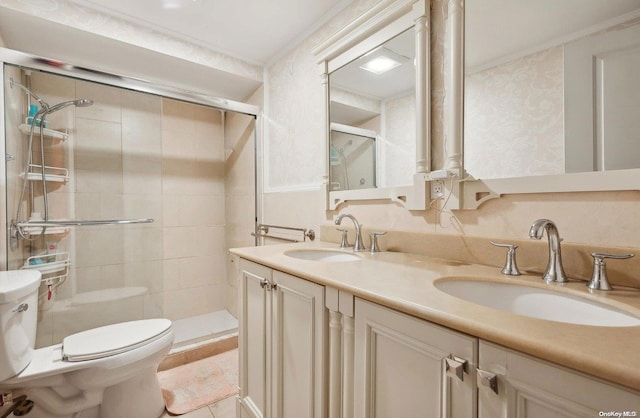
(53, 266)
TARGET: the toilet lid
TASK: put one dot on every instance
(113, 339)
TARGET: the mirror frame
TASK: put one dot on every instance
(470, 193)
(385, 20)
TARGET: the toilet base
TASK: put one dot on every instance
(147, 402)
(139, 397)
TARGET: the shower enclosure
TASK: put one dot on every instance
(126, 199)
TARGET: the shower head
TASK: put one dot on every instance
(50, 109)
(84, 102)
(78, 103)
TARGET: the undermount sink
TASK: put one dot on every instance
(322, 255)
(538, 303)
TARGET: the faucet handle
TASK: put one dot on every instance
(374, 241)
(344, 242)
(510, 266)
(599, 280)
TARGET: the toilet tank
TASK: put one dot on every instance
(18, 319)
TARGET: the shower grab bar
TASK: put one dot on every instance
(262, 231)
(72, 222)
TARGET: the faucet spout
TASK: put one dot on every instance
(359, 244)
(555, 271)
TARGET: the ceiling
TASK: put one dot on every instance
(497, 31)
(256, 32)
(252, 30)
(381, 86)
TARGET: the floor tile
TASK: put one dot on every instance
(198, 413)
(225, 408)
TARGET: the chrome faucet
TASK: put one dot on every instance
(554, 272)
(359, 244)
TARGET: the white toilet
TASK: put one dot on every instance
(105, 372)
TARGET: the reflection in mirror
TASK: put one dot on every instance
(352, 158)
(376, 92)
(549, 90)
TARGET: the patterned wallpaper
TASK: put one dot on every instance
(294, 132)
(398, 141)
(514, 120)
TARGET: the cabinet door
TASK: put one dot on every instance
(254, 313)
(533, 388)
(299, 339)
(400, 367)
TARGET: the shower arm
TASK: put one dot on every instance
(43, 104)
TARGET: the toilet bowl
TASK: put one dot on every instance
(105, 372)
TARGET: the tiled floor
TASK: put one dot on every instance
(225, 408)
(191, 331)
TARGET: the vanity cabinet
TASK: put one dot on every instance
(282, 345)
(408, 367)
(532, 388)
(310, 351)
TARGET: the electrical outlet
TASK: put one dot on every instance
(437, 189)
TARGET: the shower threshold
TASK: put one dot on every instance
(200, 329)
(201, 336)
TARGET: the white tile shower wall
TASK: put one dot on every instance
(193, 194)
(134, 155)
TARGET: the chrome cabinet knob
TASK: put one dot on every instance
(487, 380)
(456, 367)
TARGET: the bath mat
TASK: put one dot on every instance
(200, 383)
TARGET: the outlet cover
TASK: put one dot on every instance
(437, 189)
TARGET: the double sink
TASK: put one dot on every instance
(515, 297)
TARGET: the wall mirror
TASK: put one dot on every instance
(352, 157)
(549, 90)
(377, 93)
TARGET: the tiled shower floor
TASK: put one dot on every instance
(203, 327)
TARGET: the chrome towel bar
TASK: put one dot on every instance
(262, 231)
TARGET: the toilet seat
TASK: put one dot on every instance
(113, 339)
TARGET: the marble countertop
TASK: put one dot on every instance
(405, 282)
